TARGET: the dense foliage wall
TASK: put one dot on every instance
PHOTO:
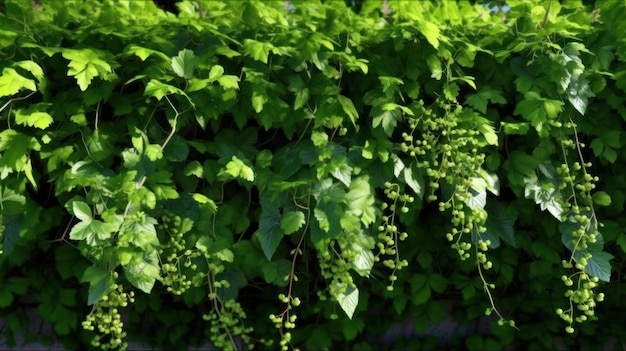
(281, 172)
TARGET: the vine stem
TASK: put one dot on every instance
(15, 99)
(292, 273)
(217, 309)
(545, 18)
(167, 140)
(487, 288)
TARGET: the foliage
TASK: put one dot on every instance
(312, 162)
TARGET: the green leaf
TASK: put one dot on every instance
(498, 224)
(523, 163)
(202, 199)
(602, 198)
(96, 292)
(185, 63)
(342, 171)
(10, 201)
(538, 111)
(348, 108)
(363, 262)
(257, 50)
(143, 273)
(229, 82)
(430, 31)
(99, 283)
(177, 150)
(94, 275)
(216, 72)
(82, 211)
(545, 194)
(236, 280)
(599, 265)
(11, 238)
(143, 53)
(360, 198)
(33, 68)
(86, 64)
(92, 230)
(12, 82)
(159, 90)
(275, 272)
(414, 180)
(6, 298)
(515, 128)
(477, 200)
(576, 88)
(435, 67)
(437, 282)
(349, 301)
(292, 221)
(483, 96)
(387, 119)
(270, 232)
(238, 169)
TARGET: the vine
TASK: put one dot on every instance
(325, 153)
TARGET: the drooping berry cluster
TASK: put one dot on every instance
(388, 232)
(176, 257)
(105, 319)
(286, 320)
(336, 264)
(445, 142)
(226, 327)
(576, 186)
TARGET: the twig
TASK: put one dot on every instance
(545, 18)
(16, 99)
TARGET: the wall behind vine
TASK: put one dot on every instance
(277, 175)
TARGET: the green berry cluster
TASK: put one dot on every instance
(105, 319)
(226, 325)
(576, 185)
(388, 232)
(446, 144)
(336, 263)
(583, 298)
(286, 320)
(175, 255)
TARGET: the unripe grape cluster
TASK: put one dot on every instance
(447, 147)
(576, 184)
(175, 256)
(389, 234)
(446, 144)
(286, 320)
(336, 263)
(226, 325)
(105, 319)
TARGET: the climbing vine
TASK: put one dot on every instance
(281, 169)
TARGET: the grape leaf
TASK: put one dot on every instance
(185, 63)
(275, 272)
(349, 301)
(11, 82)
(86, 64)
(82, 211)
(144, 273)
(270, 232)
(292, 221)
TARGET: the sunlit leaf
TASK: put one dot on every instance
(292, 221)
(185, 63)
(349, 301)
